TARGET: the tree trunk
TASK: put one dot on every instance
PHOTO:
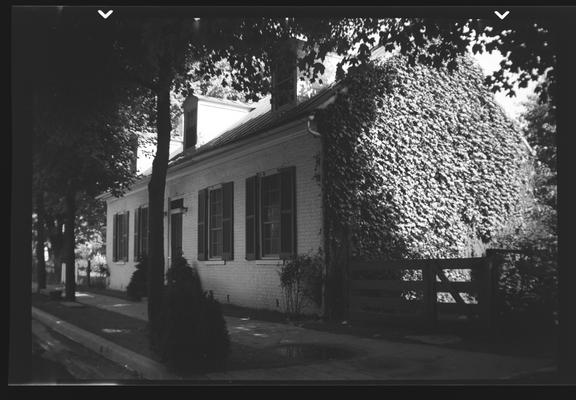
(69, 245)
(40, 240)
(57, 245)
(156, 188)
(55, 238)
(88, 271)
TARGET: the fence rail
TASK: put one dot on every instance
(421, 289)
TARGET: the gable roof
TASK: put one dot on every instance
(261, 119)
(227, 102)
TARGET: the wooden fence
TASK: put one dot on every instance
(423, 290)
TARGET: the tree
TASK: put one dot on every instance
(85, 120)
(540, 132)
(40, 241)
(73, 166)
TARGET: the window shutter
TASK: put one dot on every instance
(202, 225)
(252, 218)
(119, 241)
(228, 221)
(115, 238)
(125, 235)
(145, 231)
(287, 212)
(137, 222)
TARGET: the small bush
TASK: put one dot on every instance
(301, 279)
(528, 291)
(138, 286)
(195, 336)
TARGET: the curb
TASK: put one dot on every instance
(143, 366)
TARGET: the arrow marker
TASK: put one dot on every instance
(501, 16)
(105, 15)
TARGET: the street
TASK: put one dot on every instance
(57, 359)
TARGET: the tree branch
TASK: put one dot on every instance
(149, 85)
(134, 77)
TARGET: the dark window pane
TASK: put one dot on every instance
(176, 204)
(270, 197)
(265, 247)
(215, 221)
(275, 245)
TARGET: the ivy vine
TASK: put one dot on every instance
(418, 161)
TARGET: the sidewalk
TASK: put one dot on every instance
(339, 357)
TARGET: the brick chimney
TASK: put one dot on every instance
(134, 159)
(190, 108)
(284, 75)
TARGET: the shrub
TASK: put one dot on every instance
(195, 337)
(528, 285)
(183, 279)
(138, 286)
(527, 293)
(301, 279)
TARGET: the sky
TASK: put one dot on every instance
(512, 105)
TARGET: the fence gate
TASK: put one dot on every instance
(423, 290)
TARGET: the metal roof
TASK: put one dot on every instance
(261, 119)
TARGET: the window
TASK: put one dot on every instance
(140, 232)
(120, 236)
(270, 211)
(271, 215)
(215, 222)
(176, 204)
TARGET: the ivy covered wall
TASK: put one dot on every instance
(418, 162)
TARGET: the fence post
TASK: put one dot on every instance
(495, 262)
(486, 297)
(429, 278)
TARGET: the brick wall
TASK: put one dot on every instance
(253, 283)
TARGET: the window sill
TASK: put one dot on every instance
(119, 262)
(269, 262)
(215, 262)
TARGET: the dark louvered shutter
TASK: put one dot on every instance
(115, 238)
(145, 231)
(252, 218)
(287, 213)
(202, 225)
(137, 222)
(228, 221)
(125, 236)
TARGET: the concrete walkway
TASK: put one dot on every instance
(371, 359)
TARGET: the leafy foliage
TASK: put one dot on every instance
(528, 289)
(138, 286)
(194, 337)
(419, 162)
(301, 279)
(540, 131)
(528, 48)
(529, 281)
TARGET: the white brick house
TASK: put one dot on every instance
(239, 198)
